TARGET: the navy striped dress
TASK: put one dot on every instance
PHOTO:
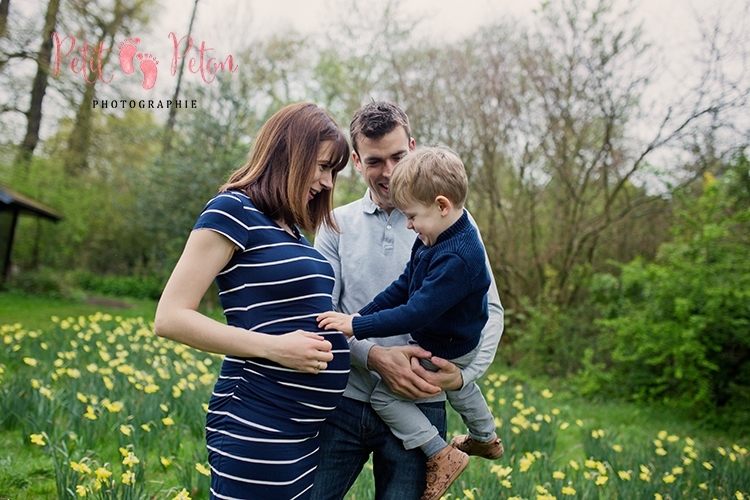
(263, 419)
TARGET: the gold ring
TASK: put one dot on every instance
(318, 365)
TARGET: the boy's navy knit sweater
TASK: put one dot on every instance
(440, 298)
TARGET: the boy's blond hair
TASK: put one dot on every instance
(426, 173)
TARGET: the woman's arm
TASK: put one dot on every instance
(206, 253)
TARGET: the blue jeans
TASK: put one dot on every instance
(348, 437)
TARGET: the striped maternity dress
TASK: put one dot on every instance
(263, 419)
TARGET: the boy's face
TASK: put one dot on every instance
(428, 221)
(375, 160)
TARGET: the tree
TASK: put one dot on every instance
(39, 86)
(106, 23)
(4, 8)
(677, 330)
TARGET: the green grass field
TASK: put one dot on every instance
(94, 405)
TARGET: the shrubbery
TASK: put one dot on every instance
(674, 331)
(137, 287)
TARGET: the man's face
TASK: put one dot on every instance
(375, 160)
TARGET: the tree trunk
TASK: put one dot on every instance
(4, 8)
(39, 87)
(173, 110)
(79, 142)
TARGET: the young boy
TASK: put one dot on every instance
(441, 300)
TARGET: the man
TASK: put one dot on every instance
(370, 252)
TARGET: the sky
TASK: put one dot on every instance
(671, 25)
(672, 22)
(226, 26)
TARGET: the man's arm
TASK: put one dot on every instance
(327, 243)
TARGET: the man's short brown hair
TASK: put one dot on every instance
(376, 119)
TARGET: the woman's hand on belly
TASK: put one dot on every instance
(300, 350)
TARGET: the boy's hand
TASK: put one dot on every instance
(336, 321)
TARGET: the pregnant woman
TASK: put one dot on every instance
(281, 376)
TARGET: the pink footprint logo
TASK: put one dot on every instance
(128, 48)
(148, 67)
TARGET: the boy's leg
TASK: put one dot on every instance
(471, 405)
(444, 462)
(405, 420)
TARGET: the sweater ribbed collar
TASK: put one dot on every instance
(461, 225)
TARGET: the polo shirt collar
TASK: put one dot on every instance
(369, 206)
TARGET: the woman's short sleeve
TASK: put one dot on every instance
(226, 214)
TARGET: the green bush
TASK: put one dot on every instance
(137, 287)
(679, 327)
(550, 340)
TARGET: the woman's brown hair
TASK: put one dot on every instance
(282, 164)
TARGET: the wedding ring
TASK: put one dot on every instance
(318, 365)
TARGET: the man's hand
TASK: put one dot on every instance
(394, 365)
(448, 377)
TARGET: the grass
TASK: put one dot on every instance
(544, 431)
(35, 311)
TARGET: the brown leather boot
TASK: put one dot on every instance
(442, 470)
(492, 450)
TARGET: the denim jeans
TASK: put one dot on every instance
(348, 437)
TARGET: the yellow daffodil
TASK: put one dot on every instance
(81, 468)
(624, 475)
(90, 413)
(569, 491)
(102, 474)
(81, 490)
(38, 439)
(501, 471)
(182, 495)
(128, 477)
(202, 469)
(130, 460)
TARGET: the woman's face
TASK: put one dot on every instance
(323, 176)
